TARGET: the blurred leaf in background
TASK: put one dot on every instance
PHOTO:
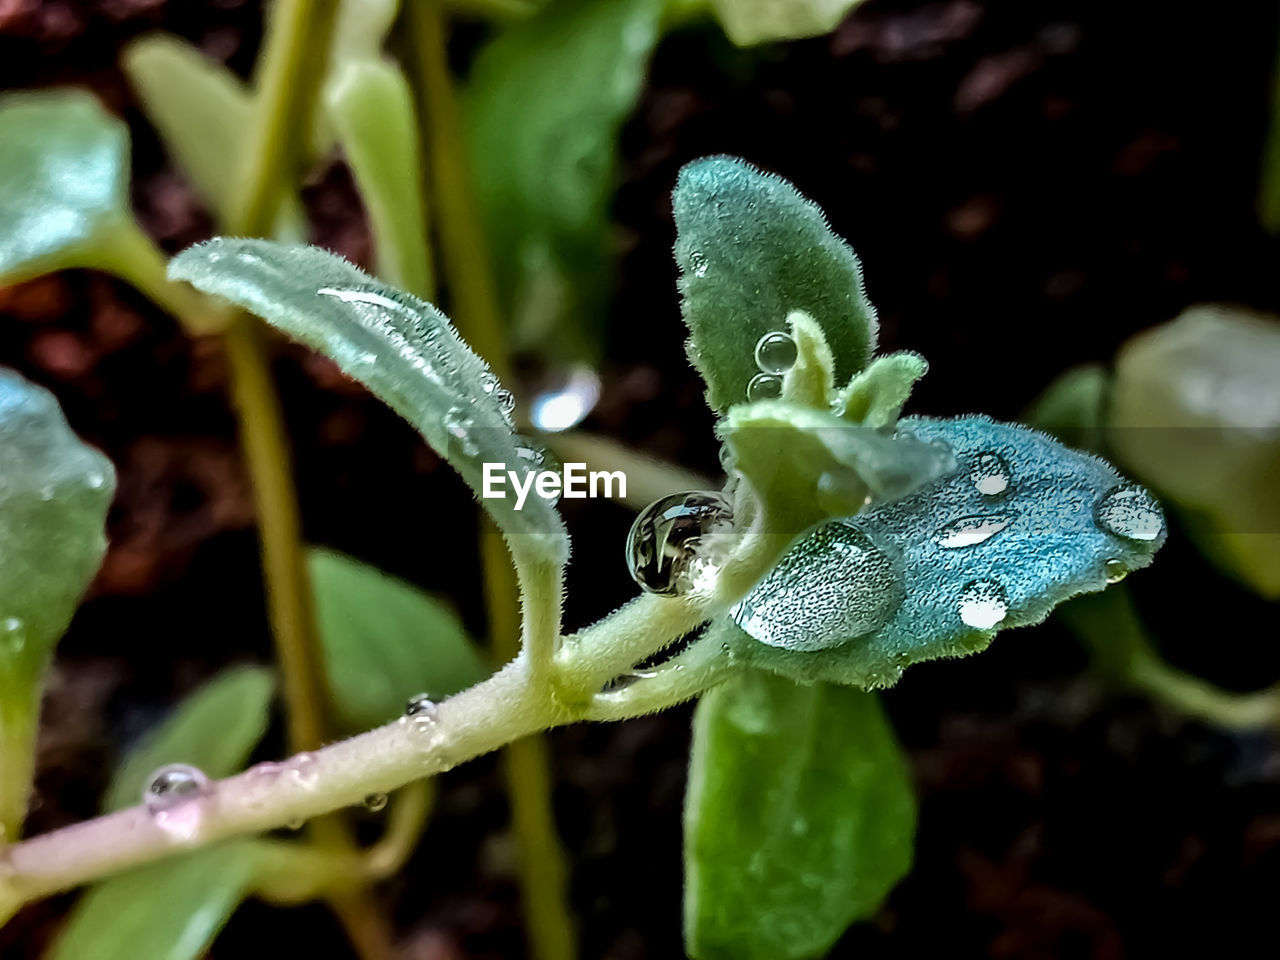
(750, 22)
(799, 818)
(546, 100)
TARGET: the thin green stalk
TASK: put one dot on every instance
(19, 714)
(475, 307)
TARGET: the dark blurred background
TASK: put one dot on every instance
(1027, 186)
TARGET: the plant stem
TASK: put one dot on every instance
(19, 716)
(543, 874)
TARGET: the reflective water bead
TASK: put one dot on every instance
(420, 705)
(303, 770)
(764, 386)
(699, 263)
(375, 801)
(506, 402)
(669, 550)
(1115, 570)
(969, 531)
(776, 352)
(459, 426)
(990, 474)
(983, 604)
(1130, 512)
(172, 784)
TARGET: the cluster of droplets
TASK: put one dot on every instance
(775, 354)
(173, 796)
(678, 543)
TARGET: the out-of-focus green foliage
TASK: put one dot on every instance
(798, 821)
(54, 495)
(751, 251)
(1073, 408)
(1195, 412)
(400, 347)
(546, 101)
(173, 909)
(749, 22)
(386, 641)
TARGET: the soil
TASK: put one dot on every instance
(1026, 184)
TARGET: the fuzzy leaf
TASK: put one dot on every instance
(810, 379)
(401, 348)
(750, 22)
(202, 112)
(751, 250)
(1195, 412)
(875, 396)
(805, 465)
(214, 729)
(1021, 524)
(169, 910)
(798, 820)
(386, 641)
(371, 107)
(54, 495)
(64, 166)
(547, 98)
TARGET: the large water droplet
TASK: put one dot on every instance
(303, 770)
(990, 474)
(1130, 512)
(173, 784)
(675, 545)
(1115, 570)
(459, 426)
(834, 585)
(764, 386)
(983, 604)
(776, 352)
(421, 705)
(375, 802)
(969, 531)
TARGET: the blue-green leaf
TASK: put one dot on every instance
(1021, 524)
(547, 98)
(386, 641)
(401, 348)
(214, 729)
(798, 821)
(54, 495)
(751, 250)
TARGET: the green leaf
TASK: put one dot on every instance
(875, 396)
(749, 22)
(805, 465)
(386, 641)
(169, 910)
(1073, 407)
(809, 381)
(1195, 411)
(63, 182)
(54, 495)
(799, 818)
(547, 98)
(751, 250)
(371, 107)
(1018, 525)
(214, 729)
(202, 112)
(400, 347)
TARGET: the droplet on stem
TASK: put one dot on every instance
(672, 548)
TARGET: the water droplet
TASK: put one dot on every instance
(506, 402)
(458, 425)
(834, 585)
(990, 474)
(764, 386)
(983, 604)
(173, 784)
(566, 404)
(969, 531)
(1131, 512)
(294, 824)
(672, 548)
(96, 480)
(488, 382)
(1115, 570)
(421, 706)
(303, 770)
(375, 801)
(13, 635)
(776, 352)
(698, 262)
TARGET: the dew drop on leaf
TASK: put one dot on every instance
(302, 768)
(1130, 512)
(990, 474)
(983, 604)
(1115, 570)
(459, 426)
(672, 549)
(764, 386)
(172, 784)
(969, 531)
(833, 585)
(776, 352)
(375, 802)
